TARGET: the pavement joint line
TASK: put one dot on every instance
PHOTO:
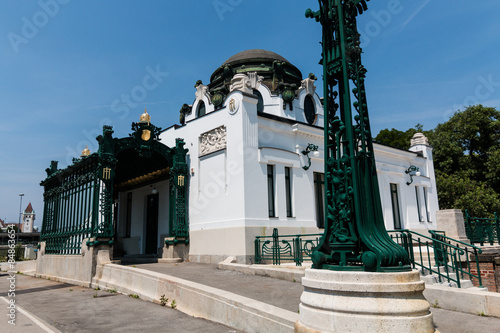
(33, 318)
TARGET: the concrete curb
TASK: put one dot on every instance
(21, 266)
(196, 299)
(476, 301)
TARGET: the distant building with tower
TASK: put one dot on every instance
(28, 219)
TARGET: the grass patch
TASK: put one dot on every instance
(133, 295)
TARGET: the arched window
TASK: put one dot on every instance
(201, 109)
(260, 102)
(309, 110)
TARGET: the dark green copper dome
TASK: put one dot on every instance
(276, 70)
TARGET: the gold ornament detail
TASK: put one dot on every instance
(85, 152)
(145, 117)
(146, 135)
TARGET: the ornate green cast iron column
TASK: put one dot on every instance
(355, 237)
(103, 223)
(179, 226)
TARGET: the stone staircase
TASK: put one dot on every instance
(431, 278)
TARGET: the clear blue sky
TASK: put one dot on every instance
(66, 69)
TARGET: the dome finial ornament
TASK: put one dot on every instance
(85, 152)
(145, 117)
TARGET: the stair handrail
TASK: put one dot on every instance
(431, 244)
(431, 239)
(447, 250)
(476, 249)
(435, 232)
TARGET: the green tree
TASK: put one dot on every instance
(466, 158)
(396, 138)
(460, 192)
(467, 141)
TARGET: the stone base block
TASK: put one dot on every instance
(342, 301)
(451, 221)
(177, 251)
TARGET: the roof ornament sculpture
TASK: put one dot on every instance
(145, 117)
(85, 152)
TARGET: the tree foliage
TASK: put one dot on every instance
(396, 138)
(466, 158)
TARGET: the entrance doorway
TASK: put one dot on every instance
(152, 224)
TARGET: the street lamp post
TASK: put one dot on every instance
(20, 212)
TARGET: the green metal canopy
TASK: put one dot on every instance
(78, 200)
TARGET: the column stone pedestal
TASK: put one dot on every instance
(348, 301)
(174, 250)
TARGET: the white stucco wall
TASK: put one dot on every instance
(228, 196)
(391, 166)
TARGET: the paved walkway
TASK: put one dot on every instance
(280, 293)
(48, 306)
(286, 295)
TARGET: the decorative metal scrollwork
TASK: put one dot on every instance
(355, 237)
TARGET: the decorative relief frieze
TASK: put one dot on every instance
(213, 140)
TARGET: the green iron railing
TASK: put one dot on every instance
(296, 248)
(482, 230)
(75, 207)
(453, 260)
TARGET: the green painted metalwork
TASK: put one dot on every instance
(284, 248)
(453, 260)
(78, 200)
(69, 206)
(482, 230)
(412, 171)
(355, 237)
(179, 226)
(310, 147)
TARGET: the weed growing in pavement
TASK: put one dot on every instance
(163, 300)
(133, 295)
(435, 304)
(173, 305)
